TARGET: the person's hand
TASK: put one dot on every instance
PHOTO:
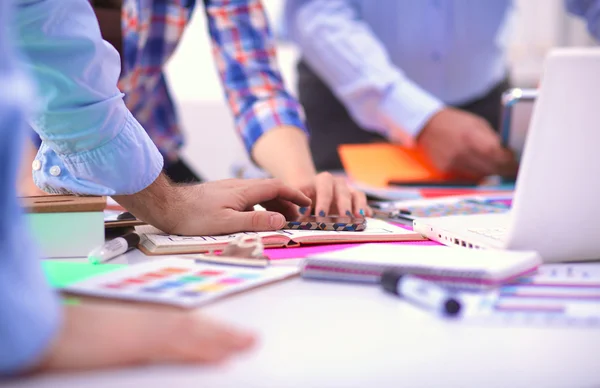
(144, 335)
(214, 208)
(462, 143)
(333, 196)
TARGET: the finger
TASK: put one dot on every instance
(324, 183)
(488, 144)
(359, 204)
(343, 198)
(289, 210)
(254, 221)
(473, 166)
(310, 192)
(263, 190)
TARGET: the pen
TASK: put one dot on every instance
(421, 292)
(113, 248)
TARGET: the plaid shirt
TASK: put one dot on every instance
(244, 53)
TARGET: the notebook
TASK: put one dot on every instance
(178, 282)
(154, 242)
(452, 266)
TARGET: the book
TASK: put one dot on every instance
(65, 226)
(450, 266)
(155, 242)
(176, 281)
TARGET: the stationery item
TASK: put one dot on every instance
(113, 248)
(154, 242)
(421, 292)
(63, 273)
(495, 309)
(177, 281)
(120, 219)
(377, 164)
(311, 250)
(456, 267)
(243, 250)
(491, 185)
(562, 295)
(339, 223)
(407, 211)
(65, 226)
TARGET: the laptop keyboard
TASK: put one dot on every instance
(495, 233)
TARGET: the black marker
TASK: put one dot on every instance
(421, 292)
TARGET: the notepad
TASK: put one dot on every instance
(451, 266)
(377, 164)
(154, 242)
(178, 282)
(64, 273)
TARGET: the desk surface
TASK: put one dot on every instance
(320, 334)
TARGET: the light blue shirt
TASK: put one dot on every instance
(400, 61)
(29, 310)
(91, 145)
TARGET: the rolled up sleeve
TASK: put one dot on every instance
(91, 144)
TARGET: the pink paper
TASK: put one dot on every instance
(304, 251)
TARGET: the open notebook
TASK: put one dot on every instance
(154, 242)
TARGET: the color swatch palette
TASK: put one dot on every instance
(180, 282)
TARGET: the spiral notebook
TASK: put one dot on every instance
(450, 266)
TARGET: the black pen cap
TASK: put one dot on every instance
(389, 280)
(133, 239)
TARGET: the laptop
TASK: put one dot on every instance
(556, 204)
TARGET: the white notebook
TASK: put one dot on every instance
(153, 241)
(470, 268)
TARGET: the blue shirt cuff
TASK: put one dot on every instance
(124, 165)
(409, 107)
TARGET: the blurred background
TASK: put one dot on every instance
(536, 26)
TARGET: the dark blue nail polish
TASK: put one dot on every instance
(302, 210)
(362, 212)
(348, 213)
(322, 213)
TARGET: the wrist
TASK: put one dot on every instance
(156, 205)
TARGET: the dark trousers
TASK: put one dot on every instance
(330, 124)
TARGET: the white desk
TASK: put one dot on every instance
(319, 334)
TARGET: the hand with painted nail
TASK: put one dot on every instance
(214, 208)
(333, 196)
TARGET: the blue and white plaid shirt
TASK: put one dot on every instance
(244, 53)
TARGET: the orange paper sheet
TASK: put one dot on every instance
(378, 163)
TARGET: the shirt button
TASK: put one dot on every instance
(36, 165)
(55, 171)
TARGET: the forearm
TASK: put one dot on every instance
(284, 152)
(82, 341)
(244, 52)
(352, 61)
(156, 204)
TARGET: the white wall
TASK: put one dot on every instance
(212, 144)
